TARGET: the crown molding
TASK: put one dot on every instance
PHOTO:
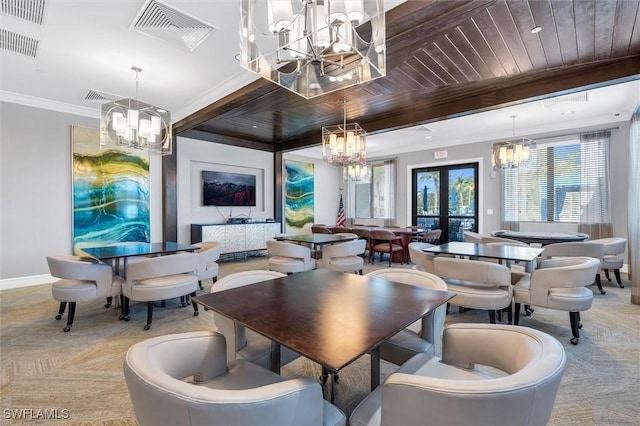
(35, 102)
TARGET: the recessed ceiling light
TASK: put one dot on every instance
(254, 126)
(536, 29)
(568, 112)
(428, 137)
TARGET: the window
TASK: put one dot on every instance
(565, 181)
(375, 198)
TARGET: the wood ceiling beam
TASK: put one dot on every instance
(487, 95)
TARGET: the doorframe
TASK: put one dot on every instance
(412, 167)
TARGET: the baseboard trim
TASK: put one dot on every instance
(20, 282)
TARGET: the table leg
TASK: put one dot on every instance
(375, 368)
(275, 357)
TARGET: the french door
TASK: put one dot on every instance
(446, 197)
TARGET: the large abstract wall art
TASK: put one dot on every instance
(298, 204)
(110, 192)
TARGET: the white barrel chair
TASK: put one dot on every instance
(425, 335)
(345, 257)
(559, 284)
(208, 253)
(243, 343)
(456, 389)
(578, 249)
(160, 278)
(477, 284)
(614, 247)
(289, 258)
(186, 379)
(81, 279)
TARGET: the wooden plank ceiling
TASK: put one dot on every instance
(444, 59)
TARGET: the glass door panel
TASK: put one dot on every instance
(446, 198)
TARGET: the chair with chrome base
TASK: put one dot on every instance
(81, 279)
(186, 379)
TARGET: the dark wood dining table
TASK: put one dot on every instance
(330, 317)
(527, 255)
(124, 251)
(316, 241)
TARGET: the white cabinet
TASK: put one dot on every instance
(236, 237)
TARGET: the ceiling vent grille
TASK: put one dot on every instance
(561, 101)
(421, 128)
(28, 10)
(18, 43)
(159, 20)
(101, 97)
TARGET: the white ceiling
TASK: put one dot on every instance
(88, 44)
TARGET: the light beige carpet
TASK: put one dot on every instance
(81, 371)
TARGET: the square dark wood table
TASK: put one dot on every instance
(124, 251)
(330, 317)
(316, 241)
(506, 252)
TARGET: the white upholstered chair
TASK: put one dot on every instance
(559, 284)
(422, 261)
(455, 390)
(578, 249)
(477, 284)
(289, 258)
(186, 379)
(160, 278)
(472, 237)
(208, 253)
(424, 335)
(614, 247)
(344, 257)
(80, 280)
(243, 343)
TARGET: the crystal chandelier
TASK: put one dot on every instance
(313, 47)
(134, 124)
(344, 145)
(511, 153)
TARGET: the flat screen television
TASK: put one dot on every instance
(228, 189)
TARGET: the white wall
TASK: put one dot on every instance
(490, 195)
(327, 186)
(36, 188)
(194, 156)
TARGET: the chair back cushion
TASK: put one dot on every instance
(534, 363)
(234, 333)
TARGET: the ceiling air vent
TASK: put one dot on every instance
(28, 10)
(101, 97)
(566, 100)
(159, 20)
(18, 43)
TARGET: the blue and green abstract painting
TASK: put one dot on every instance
(110, 192)
(298, 204)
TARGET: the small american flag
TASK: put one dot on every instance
(340, 220)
